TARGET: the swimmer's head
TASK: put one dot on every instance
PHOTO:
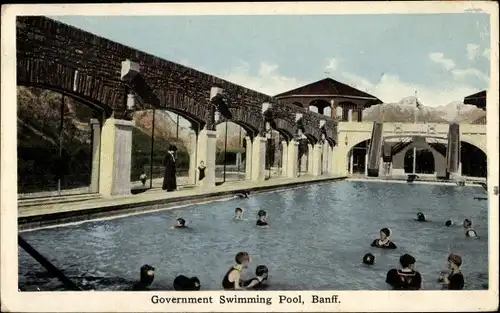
(147, 274)
(202, 163)
(407, 261)
(195, 283)
(454, 261)
(262, 215)
(242, 258)
(261, 270)
(421, 217)
(448, 223)
(180, 222)
(467, 223)
(384, 233)
(238, 212)
(369, 259)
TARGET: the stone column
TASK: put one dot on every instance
(293, 158)
(238, 160)
(340, 112)
(284, 158)
(360, 114)
(206, 153)
(310, 158)
(116, 157)
(366, 163)
(259, 158)
(381, 168)
(349, 115)
(248, 158)
(351, 163)
(193, 156)
(316, 166)
(329, 165)
(96, 154)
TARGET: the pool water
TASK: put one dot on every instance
(317, 237)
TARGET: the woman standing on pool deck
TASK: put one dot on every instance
(384, 241)
(231, 280)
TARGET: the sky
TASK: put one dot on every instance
(442, 57)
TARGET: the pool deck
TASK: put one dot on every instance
(81, 208)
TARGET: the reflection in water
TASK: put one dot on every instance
(317, 238)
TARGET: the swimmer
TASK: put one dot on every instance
(238, 214)
(231, 280)
(147, 278)
(183, 283)
(406, 278)
(421, 217)
(262, 221)
(384, 241)
(469, 231)
(243, 195)
(455, 279)
(260, 281)
(369, 259)
(180, 223)
(448, 223)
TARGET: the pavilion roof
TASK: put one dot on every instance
(328, 87)
(478, 99)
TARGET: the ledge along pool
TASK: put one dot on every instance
(317, 237)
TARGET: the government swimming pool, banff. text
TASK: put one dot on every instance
(236, 299)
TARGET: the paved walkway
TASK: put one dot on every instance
(156, 195)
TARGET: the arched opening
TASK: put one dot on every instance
(349, 112)
(320, 105)
(296, 103)
(154, 132)
(231, 153)
(419, 161)
(58, 153)
(313, 108)
(474, 160)
(358, 158)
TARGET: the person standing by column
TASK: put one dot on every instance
(170, 179)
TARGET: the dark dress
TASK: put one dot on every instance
(259, 286)
(169, 179)
(201, 174)
(388, 245)
(226, 284)
(457, 281)
(407, 280)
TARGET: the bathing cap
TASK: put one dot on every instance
(262, 213)
(467, 222)
(386, 231)
(406, 260)
(369, 259)
(448, 223)
(261, 270)
(181, 221)
(420, 216)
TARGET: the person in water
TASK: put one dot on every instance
(421, 217)
(406, 278)
(243, 195)
(448, 223)
(183, 283)
(201, 171)
(180, 223)
(259, 282)
(238, 214)
(455, 279)
(384, 241)
(262, 219)
(147, 278)
(231, 280)
(369, 259)
(469, 231)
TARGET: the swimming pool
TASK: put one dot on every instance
(317, 237)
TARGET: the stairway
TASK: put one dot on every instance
(453, 151)
(375, 149)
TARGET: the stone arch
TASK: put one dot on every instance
(285, 128)
(179, 103)
(357, 157)
(249, 129)
(320, 104)
(474, 160)
(299, 104)
(94, 92)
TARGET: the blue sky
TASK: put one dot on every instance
(443, 57)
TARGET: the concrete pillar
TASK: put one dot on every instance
(349, 115)
(316, 160)
(360, 115)
(339, 112)
(325, 149)
(284, 158)
(238, 159)
(366, 163)
(292, 157)
(351, 163)
(206, 153)
(248, 158)
(193, 156)
(116, 157)
(96, 154)
(381, 167)
(259, 158)
(310, 158)
(329, 150)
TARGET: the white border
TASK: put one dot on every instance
(351, 301)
